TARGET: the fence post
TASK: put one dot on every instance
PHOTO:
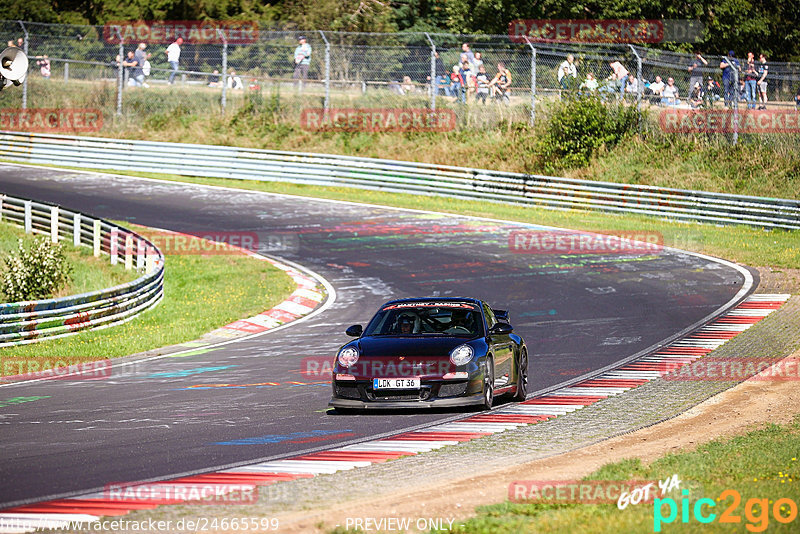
(638, 77)
(434, 88)
(128, 252)
(24, 80)
(327, 72)
(76, 229)
(120, 71)
(54, 224)
(66, 70)
(139, 254)
(533, 80)
(28, 218)
(96, 239)
(113, 245)
(735, 104)
(224, 100)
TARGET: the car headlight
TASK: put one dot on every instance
(461, 354)
(348, 356)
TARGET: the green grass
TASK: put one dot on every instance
(88, 273)
(741, 244)
(761, 464)
(201, 293)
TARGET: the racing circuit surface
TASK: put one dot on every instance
(576, 314)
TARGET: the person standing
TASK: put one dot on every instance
(728, 64)
(44, 66)
(173, 52)
(696, 70)
(750, 80)
(620, 74)
(137, 73)
(567, 73)
(763, 70)
(302, 59)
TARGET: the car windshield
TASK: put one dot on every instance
(421, 319)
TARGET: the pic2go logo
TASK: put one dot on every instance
(756, 511)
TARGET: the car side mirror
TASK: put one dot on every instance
(354, 331)
(501, 329)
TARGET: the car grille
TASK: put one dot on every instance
(453, 389)
(349, 391)
(396, 395)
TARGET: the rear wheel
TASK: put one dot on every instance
(488, 385)
(522, 376)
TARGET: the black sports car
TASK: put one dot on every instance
(430, 352)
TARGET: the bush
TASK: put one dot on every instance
(35, 272)
(579, 126)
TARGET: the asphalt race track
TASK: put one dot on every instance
(576, 314)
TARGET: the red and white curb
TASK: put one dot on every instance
(89, 508)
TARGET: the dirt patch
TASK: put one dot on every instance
(779, 280)
(736, 411)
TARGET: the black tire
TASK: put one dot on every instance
(488, 385)
(522, 376)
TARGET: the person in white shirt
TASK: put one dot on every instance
(173, 52)
(234, 81)
(565, 70)
(669, 97)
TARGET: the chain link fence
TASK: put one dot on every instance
(502, 80)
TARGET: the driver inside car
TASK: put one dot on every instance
(460, 322)
(405, 324)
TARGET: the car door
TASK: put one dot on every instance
(501, 347)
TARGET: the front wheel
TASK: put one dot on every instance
(522, 376)
(488, 385)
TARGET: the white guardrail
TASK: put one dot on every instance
(400, 177)
(28, 322)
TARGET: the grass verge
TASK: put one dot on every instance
(88, 273)
(201, 293)
(761, 465)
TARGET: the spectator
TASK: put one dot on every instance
(797, 97)
(711, 92)
(173, 53)
(213, 79)
(466, 50)
(302, 59)
(11, 44)
(20, 43)
(482, 81)
(750, 80)
(620, 74)
(501, 83)
(469, 80)
(657, 88)
(138, 71)
(456, 82)
(590, 83)
(44, 66)
(234, 81)
(763, 70)
(728, 64)
(696, 70)
(442, 79)
(567, 73)
(633, 86)
(146, 69)
(128, 63)
(669, 97)
(477, 62)
(408, 85)
(696, 96)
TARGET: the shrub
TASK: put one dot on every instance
(579, 126)
(35, 272)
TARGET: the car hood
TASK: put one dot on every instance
(411, 346)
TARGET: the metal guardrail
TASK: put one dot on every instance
(28, 322)
(399, 176)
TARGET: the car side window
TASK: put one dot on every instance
(490, 319)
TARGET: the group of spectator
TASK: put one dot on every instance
(468, 79)
(43, 62)
(752, 82)
(137, 68)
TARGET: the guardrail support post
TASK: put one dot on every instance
(128, 252)
(113, 245)
(151, 260)
(1, 206)
(139, 254)
(96, 239)
(28, 218)
(76, 229)
(54, 224)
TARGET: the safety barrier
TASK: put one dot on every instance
(28, 322)
(400, 177)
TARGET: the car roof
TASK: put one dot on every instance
(435, 299)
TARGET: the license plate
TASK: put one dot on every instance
(395, 383)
